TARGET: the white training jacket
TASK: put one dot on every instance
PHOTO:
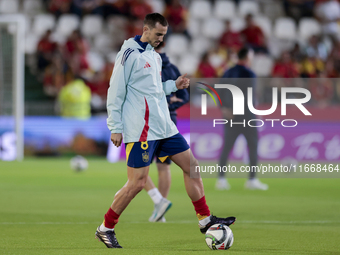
(136, 100)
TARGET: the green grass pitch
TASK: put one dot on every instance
(46, 208)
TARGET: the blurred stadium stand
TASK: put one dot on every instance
(102, 29)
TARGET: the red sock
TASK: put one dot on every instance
(201, 208)
(111, 218)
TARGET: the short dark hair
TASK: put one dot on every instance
(152, 18)
(243, 53)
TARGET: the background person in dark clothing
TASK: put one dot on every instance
(175, 100)
(181, 96)
(241, 76)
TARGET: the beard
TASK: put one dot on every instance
(155, 43)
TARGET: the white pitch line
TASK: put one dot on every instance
(178, 222)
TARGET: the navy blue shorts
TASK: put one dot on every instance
(140, 154)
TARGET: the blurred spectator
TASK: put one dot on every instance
(230, 39)
(82, 7)
(253, 36)
(139, 9)
(121, 5)
(298, 8)
(59, 7)
(75, 50)
(99, 86)
(330, 69)
(335, 54)
(315, 59)
(54, 76)
(232, 58)
(316, 48)
(107, 70)
(321, 89)
(328, 13)
(46, 49)
(75, 99)
(177, 16)
(205, 69)
(285, 67)
(311, 66)
(218, 58)
(296, 53)
(133, 27)
(115, 7)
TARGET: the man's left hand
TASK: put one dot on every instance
(175, 99)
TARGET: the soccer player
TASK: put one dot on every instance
(139, 114)
(175, 100)
(235, 75)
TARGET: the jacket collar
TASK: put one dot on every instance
(144, 45)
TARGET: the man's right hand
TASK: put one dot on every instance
(182, 82)
(116, 139)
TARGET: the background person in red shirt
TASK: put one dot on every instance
(230, 39)
(45, 51)
(205, 69)
(176, 15)
(139, 8)
(253, 36)
(285, 67)
(75, 51)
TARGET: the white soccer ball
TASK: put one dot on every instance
(219, 237)
(79, 163)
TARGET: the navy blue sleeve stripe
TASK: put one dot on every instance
(123, 57)
(126, 55)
